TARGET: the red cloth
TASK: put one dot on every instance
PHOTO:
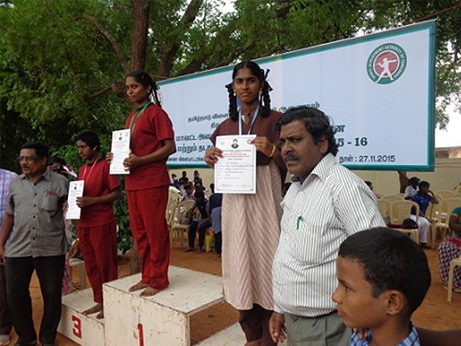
(150, 231)
(98, 182)
(99, 249)
(153, 127)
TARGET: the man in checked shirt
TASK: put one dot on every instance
(38, 242)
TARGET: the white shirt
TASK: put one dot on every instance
(410, 191)
(318, 214)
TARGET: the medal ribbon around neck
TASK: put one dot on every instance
(255, 115)
(136, 116)
(91, 170)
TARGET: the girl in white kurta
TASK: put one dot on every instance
(251, 223)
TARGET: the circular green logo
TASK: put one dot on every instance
(386, 63)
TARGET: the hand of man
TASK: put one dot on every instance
(2, 255)
(74, 250)
(277, 327)
(85, 201)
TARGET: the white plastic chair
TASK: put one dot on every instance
(177, 228)
(401, 210)
(446, 207)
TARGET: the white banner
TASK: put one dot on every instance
(377, 89)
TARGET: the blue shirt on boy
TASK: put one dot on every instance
(423, 201)
(411, 340)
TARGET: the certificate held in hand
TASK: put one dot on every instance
(235, 172)
(75, 190)
(120, 149)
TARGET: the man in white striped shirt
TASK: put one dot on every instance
(325, 204)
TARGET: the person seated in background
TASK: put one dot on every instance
(412, 188)
(214, 212)
(383, 277)
(423, 197)
(175, 181)
(184, 179)
(188, 192)
(197, 178)
(58, 165)
(450, 248)
(370, 185)
(198, 220)
(199, 186)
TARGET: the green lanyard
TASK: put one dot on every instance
(135, 117)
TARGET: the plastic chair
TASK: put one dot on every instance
(457, 190)
(384, 207)
(401, 210)
(454, 262)
(446, 193)
(173, 199)
(78, 264)
(446, 207)
(392, 198)
(177, 228)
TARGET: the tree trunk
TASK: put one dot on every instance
(139, 38)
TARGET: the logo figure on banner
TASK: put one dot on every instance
(386, 63)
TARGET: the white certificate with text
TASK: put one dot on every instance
(75, 190)
(121, 149)
(235, 172)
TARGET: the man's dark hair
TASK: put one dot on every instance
(90, 138)
(41, 150)
(199, 194)
(316, 123)
(391, 261)
(424, 184)
(413, 180)
(188, 186)
(59, 160)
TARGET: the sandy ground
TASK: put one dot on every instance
(435, 312)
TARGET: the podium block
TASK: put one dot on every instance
(163, 319)
(84, 330)
(230, 336)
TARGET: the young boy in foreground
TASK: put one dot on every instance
(383, 277)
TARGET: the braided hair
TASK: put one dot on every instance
(145, 79)
(264, 102)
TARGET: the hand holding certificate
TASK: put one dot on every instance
(235, 172)
(75, 190)
(121, 150)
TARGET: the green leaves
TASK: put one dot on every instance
(59, 59)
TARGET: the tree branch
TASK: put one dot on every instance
(187, 19)
(99, 93)
(112, 41)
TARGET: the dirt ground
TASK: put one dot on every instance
(435, 312)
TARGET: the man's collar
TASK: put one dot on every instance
(46, 175)
(321, 169)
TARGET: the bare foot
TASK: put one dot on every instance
(100, 315)
(93, 310)
(149, 291)
(139, 286)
